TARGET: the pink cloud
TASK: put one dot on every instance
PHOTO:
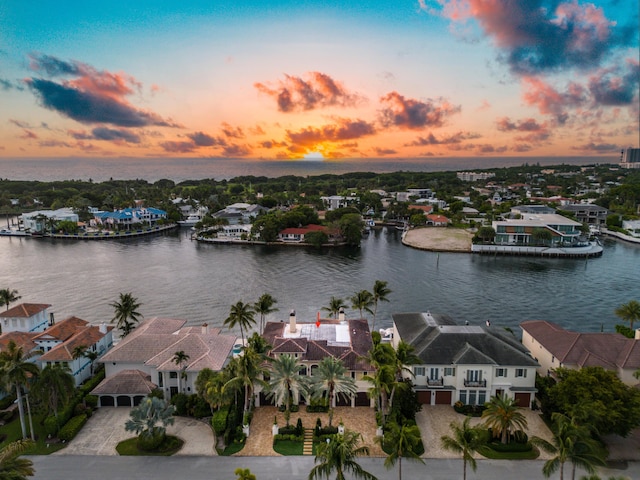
(411, 114)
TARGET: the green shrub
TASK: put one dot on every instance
(72, 427)
(150, 443)
(299, 429)
(181, 402)
(157, 393)
(317, 408)
(291, 437)
(92, 383)
(7, 401)
(219, 420)
(290, 430)
(51, 425)
(198, 407)
(91, 401)
(510, 447)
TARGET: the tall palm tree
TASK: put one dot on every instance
(11, 466)
(78, 351)
(180, 359)
(92, 357)
(380, 293)
(330, 378)
(245, 372)
(503, 417)
(402, 441)
(340, 455)
(241, 314)
(210, 386)
(381, 383)
(571, 443)
(264, 306)
(466, 441)
(126, 314)
(362, 301)
(8, 296)
(15, 373)
(54, 387)
(147, 415)
(403, 356)
(335, 304)
(629, 312)
(285, 384)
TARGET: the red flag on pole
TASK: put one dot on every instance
(318, 320)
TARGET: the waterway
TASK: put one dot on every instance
(173, 276)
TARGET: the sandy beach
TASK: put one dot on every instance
(439, 239)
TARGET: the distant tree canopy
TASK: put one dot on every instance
(598, 398)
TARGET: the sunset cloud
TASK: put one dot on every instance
(411, 114)
(91, 97)
(316, 90)
(535, 37)
(616, 86)
(552, 101)
(533, 131)
(431, 139)
(108, 134)
(343, 129)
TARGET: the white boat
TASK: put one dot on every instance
(7, 232)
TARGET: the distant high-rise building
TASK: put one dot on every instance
(630, 158)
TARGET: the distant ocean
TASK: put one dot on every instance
(179, 169)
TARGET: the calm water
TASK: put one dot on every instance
(179, 169)
(175, 277)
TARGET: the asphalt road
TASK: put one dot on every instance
(72, 467)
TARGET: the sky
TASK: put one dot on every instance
(307, 79)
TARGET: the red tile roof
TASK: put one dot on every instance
(304, 230)
(21, 339)
(84, 336)
(63, 330)
(24, 310)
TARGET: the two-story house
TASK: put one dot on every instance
(466, 363)
(26, 317)
(346, 340)
(145, 360)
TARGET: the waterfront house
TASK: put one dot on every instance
(632, 227)
(348, 340)
(554, 347)
(26, 317)
(128, 218)
(240, 213)
(39, 221)
(144, 359)
(437, 220)
(58, 344)
(587, 213)
(334, 202)
(297, 234)
(466, 363)
(564, 232)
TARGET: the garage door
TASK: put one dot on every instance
(343, 400)
(424, 397)
(523, 399)
(362, 399)
(443, 397)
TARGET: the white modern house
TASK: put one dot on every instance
(240, 213)
(37, 222)
(26, 317)
(466, 363)
(145, 360)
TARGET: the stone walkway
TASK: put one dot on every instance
(260, 441)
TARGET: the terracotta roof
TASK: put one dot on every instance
(424, 208)
(24, 310)
(608, 350)
(21, 339)
(304, 230)
(87, 336)
(126, 382)
(437, 218)
(155, 341)
(63, 330)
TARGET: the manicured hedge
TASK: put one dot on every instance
(510, 447)
(72, 427)
(219, 420)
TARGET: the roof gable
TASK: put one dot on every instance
(24, 310)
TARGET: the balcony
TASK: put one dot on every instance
(475, 383)
(435, 382)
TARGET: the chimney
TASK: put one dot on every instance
(52, 320)
(637, 335)
(103, 328)
(341, 315)
(292, 322)
(205, 328)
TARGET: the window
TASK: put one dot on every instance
(474, 375)
(419, 371)
(482, 397)
(463, 396)
(434, 373)
(160, 380)
(450, 371)
(501, 372)
(313, 369)
(173, 374)
(521, 372)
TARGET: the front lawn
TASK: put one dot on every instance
(488, 452)
(288, 447)
(43, 445)
(169, 446)
(235, 447)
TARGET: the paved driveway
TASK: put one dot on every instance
(105, 429)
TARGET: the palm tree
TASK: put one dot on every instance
(92, 356)
(146, 416)
(78, 351)
(466, 441)
(330, 377)
(245, 369)
(8, 296)
(381, 382)
(210, 386)
(362, 301)
(335, 305)
(244, 474)
(15, 372)
(180, 359)
(264, 306)
(54, 387)
(286, 385)
(403, 441)
(241, 315)
(339, 454)
(503, 417)
(571, 442)
(126, 313)
(403, 356)
(629, 312)
(11, 466)
(380, 293)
